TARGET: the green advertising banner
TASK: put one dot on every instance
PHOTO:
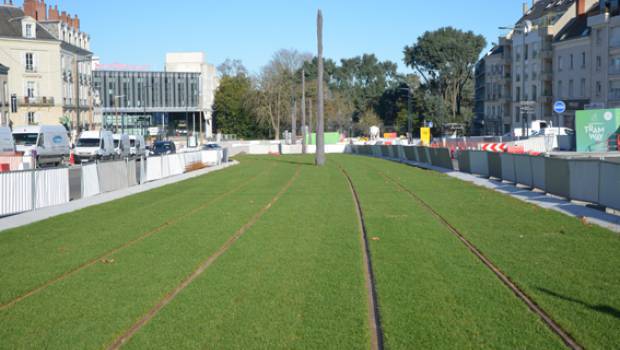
(331, 138)
(597, 130)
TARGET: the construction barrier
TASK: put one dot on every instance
(589, 180)
(16, 192)
(509, 173)
(479, 163)
(523, 167)
(609, 185)
(557, 177)
(584, 180)
(51, 187)
(495, 165)
(112, 176)
(90, 181)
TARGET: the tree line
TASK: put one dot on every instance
(359, 92)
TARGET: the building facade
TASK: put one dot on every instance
(5, 98)
(545, 58)
(139, 102)
(49, 71)
(195, 62)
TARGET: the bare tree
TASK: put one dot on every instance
(232, 68)
(320, 128)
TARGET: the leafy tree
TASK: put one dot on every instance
(445, 59)
(233, 112)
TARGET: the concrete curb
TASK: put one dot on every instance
(590, 215)
(49, 212)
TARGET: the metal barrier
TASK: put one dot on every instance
(495, 165)
(609, 184)
(479, 163)
(584, 180)
(509, 172)
(557, 177)
(523, 167)
(27, 190)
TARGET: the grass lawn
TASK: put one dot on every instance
(433, 293)
(295, 278)
(570, 269)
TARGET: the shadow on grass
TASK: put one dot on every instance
(605, 309)
(305, 161)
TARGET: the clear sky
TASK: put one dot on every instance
(140, 32)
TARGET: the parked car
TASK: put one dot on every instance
(163, 147)
(47, 144)
(138, 146)
(210, 147)
(94, 145)
(122, 145)
(7, 145)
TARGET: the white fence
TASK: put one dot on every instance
(22, 191)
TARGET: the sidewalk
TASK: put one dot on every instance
(590, 215)
(49, 212)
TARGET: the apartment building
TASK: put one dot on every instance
(48, 57)
(605, 51)
(531, 64)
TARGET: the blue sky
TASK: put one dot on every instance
(140, 32)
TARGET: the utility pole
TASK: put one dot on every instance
(304, 128)
(320, 128)
(294, 122)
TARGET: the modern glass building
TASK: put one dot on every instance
(148, 103)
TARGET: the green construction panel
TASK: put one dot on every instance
(331, 138)
(597, 130)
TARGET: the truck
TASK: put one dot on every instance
(94, 145)
(122, 145)
(7, 145)
(48, 145)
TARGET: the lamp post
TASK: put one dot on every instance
(409, 114)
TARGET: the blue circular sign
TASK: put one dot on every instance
(559, 107)
(57, 140)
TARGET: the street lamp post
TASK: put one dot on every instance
(409, 114)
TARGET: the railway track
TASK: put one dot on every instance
(566, 338)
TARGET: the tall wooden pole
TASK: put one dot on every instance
(304, 128)
(294, 122)
(320, 128)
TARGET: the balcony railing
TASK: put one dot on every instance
(38, 101)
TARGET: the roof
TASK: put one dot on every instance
(497, 50)
(10, 24)
(72, 48)
(576, 28)
(544, 8)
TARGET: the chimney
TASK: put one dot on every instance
(76, 23)
(30, 8)
(64, 18)
(53, 14)
(41, 11)
(525, 8)
(581, 7)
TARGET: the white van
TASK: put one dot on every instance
(121, 145)
(47, 144)
(94, 145)
(138, 146)
(7, 146)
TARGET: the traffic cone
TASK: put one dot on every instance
(71, 159)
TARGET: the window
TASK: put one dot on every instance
(583, 60)
(527, 52)
(30, 89)
(29, 62)
(560, 93)
(534, 92)
(599, 36)
(582, 88)
(29, 31)
(571, 62)
(614, 40)
(31, 118)
(599, 63)
(614, 65)
(614, 90)
(599, 89)
(571, 88)
(518, 94)
(517, 115)
(560, 63)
